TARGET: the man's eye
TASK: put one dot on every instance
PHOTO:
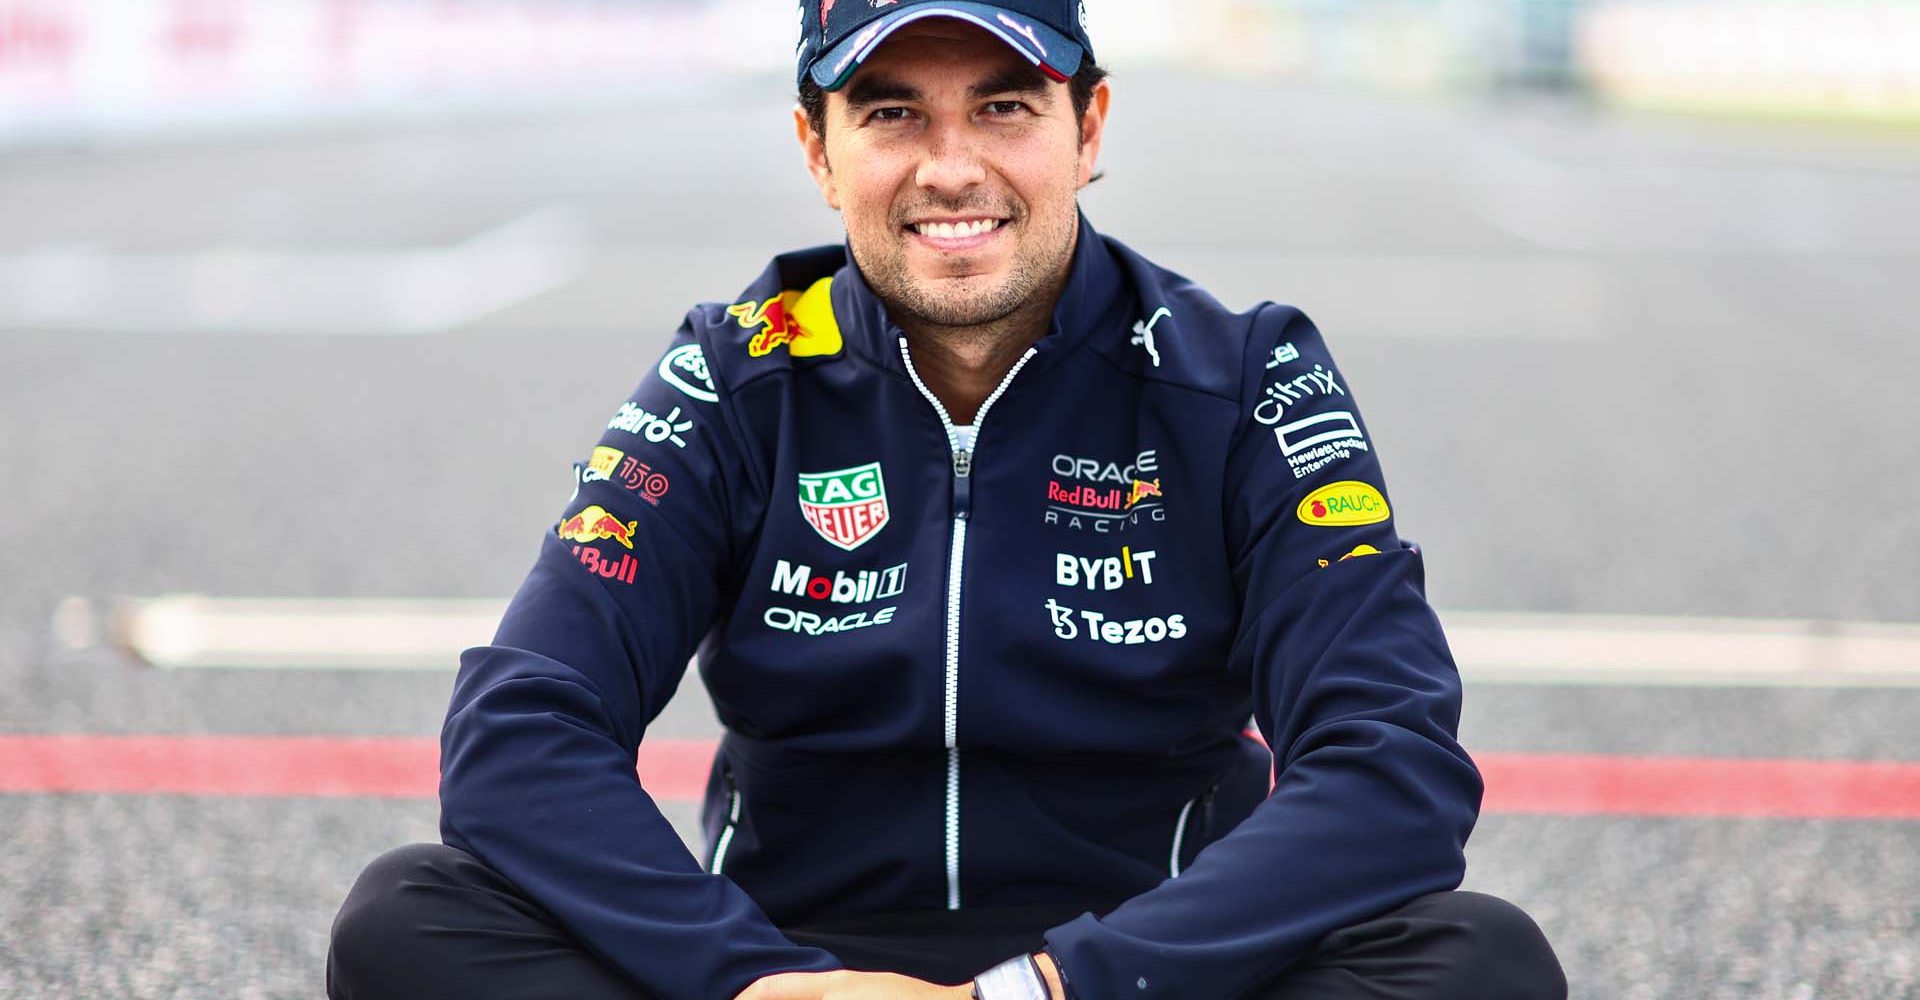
(889, 114)
(1005, 108)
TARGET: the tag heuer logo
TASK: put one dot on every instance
(846, 506)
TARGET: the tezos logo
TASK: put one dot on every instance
(1114, 631)
(864, 585)
(685, 368)
(846, 506)
(1342, 504)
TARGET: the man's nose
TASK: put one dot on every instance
(952, 162)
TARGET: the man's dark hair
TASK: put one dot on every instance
(813, 99)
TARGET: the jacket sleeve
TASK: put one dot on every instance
(539, 746)
(1354, 689)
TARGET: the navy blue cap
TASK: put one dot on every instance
(837, 35)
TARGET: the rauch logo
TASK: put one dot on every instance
(1344, 503)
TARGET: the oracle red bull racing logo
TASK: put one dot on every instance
(1088, 494)
(846, 506)
(1094, 498)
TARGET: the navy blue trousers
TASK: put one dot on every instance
(428, 921)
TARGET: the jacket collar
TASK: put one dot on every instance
(1092, 299)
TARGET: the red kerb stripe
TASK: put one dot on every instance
(387, 768)
(1583, 784)
(408, 768)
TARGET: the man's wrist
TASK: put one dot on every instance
(1050, 971)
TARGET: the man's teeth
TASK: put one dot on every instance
(952, 231)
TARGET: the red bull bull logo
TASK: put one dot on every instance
(1141, 490)
(802, 322)
(594, 524)
(776, 326)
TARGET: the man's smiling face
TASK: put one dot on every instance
(954, 163)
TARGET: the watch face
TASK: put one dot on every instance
(1013, 979)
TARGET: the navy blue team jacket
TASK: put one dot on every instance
(1002, 672)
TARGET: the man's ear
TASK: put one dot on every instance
(1093, 127)
(814, 147)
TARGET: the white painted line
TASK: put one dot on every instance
(190, 631)
(187, 631)
(407, 291)
(1436, 297)
(1657, 651)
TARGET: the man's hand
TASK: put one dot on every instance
(845, 985)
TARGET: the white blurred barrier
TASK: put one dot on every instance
(1838, 58)
(94, 66)
(100, 67)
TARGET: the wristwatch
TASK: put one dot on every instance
(1014, 979)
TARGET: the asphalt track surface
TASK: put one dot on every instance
(1612, 365)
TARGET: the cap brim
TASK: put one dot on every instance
(1057, 55)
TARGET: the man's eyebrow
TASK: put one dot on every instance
(1027, 81)
(878, 89)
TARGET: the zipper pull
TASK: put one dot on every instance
(962, 482)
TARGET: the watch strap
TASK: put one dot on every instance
(1014, 979)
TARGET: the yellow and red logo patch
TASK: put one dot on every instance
(1358, 551)
(802, 322)
(594, 524)
(1141, 490)
(1344, 504)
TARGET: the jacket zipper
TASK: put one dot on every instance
(1179, 838)
(1205, 802)
(956, 559)
(726, 833)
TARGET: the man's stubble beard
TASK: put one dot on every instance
(1038, 268)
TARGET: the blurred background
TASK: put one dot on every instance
(307, 307)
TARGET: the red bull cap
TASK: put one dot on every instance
(836, 36)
